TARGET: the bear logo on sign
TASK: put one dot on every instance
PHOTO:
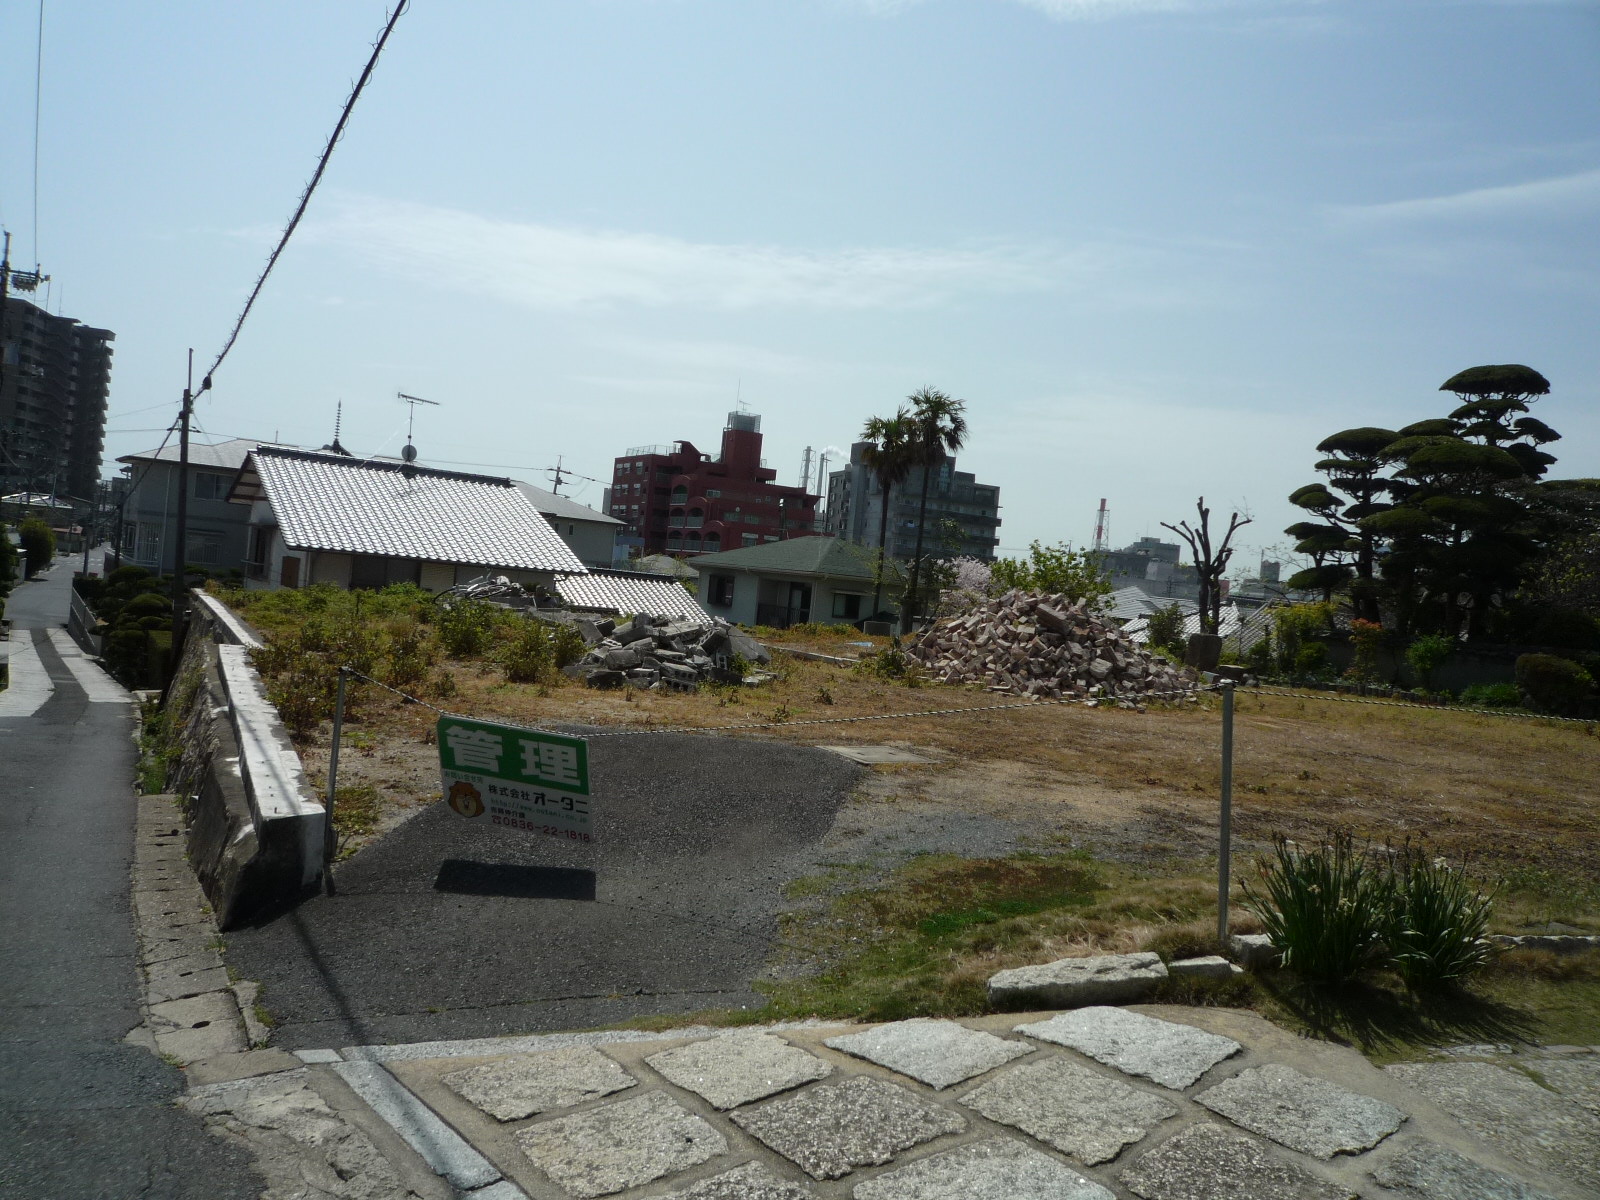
(465, 799)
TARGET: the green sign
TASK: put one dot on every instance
(516, 778)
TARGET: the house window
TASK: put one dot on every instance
(290, 574)
(713, 541)
(378, 571)
(750, 539)
(697, 518)
(149, 544)
(210, 486)
(722, 590)
(205, 548)
(752, 518)
(677, 520)
(713, 493)
(847, 605)
(680, 494)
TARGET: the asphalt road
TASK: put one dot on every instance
(82, 1114)
(445, 929)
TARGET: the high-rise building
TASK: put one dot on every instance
(676, 500)
(55, 375)
(963, 514)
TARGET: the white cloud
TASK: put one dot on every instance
(1096, 10)
(566, 268)
(1557, 196)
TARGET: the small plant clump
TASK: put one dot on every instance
(1337, 910)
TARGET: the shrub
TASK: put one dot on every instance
(1552, 684)
(535, 652)
(38, 545)
(466, 627)
(1366, 637)
(409, 653)
(1427, 654)
(8, 561)
(1054, 570)
(1296, 625)
(1324, 909)
(1164, 631)
(1437, 920)
(1491, 695)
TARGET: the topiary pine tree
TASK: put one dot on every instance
(1342, 549)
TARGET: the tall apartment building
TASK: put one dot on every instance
(855, 507)
(676, 500)
(55, 375)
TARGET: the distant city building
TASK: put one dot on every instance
(676, 500)
(855, 509)
(1152, 565)
(55, 375)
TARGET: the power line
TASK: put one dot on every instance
(305, 196)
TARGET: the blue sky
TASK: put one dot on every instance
(1160, 248)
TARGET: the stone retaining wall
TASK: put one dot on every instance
(255, 830)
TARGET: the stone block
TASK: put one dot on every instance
(606, 679)
(739, 1068)
(510, 1089)
(620, 660)
(1428, 1171)
(1302, 1112)
(625, 1144)
(1078, 1111)
(1102, 979)
(832, 1128)
(749, 1182)
(937, 1053)
(1205, 1162)
(1172, 1055)
(996, 1169)
(1211, 966)
(1253, 950)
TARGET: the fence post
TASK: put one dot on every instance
(328, 843)
(1225, 830)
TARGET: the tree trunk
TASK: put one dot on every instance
(916, 557)
(883, 549)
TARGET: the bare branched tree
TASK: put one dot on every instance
(1210, 562)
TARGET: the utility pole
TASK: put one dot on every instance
(557, 472)
(181, 535)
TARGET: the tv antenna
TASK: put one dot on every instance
(409, 453)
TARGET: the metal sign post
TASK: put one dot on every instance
(515, 778)
(1225, 832)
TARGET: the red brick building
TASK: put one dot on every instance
(677, 500)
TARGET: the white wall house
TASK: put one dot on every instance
(821, 579)
(325, 518)
(591, 535)
(218, 533)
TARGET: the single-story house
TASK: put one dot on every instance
(591, 535)
(330, 518)
(822, 579)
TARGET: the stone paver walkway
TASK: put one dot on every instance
(1100, 1103)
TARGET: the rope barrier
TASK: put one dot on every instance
(1450, 708)
(1086, 701)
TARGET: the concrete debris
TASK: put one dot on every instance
(1041, 645)
(659, 653)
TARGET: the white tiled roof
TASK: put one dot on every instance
(629, 592)
(326, 502)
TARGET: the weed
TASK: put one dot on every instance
(1323, 908)
(467, 627)
(355, 811)
(824, 696)
(1437, 920)
(781, 714)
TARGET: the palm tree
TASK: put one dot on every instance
(888, 457)
(939, 429)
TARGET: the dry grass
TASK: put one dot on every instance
(1512, 795)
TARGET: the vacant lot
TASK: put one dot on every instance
(1038, 830)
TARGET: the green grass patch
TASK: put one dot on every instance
(355, 814)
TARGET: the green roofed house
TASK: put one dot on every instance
(822, 579)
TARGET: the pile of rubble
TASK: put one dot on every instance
(1043, 645)
(664, 652)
